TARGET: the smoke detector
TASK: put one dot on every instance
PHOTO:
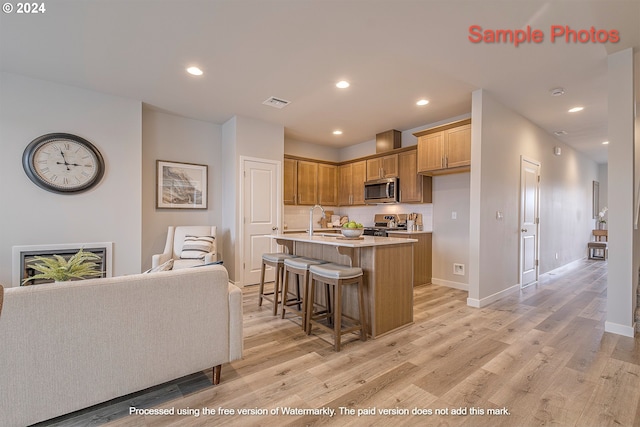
(272, 101)
(560, 132)
(557, 91)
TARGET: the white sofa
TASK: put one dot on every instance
(64, 347)
(175, 240)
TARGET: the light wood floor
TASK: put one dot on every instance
(541, 355)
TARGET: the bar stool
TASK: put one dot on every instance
(300, 267)
(275, 260)
(336, 276)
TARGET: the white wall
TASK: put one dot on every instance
(623, 256)
(109, 212)
(174, 138)
(243, 136)
(499, 137)
(450, 240)
(312, 151)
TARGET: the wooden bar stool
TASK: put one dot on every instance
(336, 276)
(275, 260)
(300, 267)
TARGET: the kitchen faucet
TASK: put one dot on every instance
(311, 218)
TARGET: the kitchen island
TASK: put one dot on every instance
(387, 264)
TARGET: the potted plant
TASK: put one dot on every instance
(602, 223)
(80, 266)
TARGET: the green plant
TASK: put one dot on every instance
(79, 266)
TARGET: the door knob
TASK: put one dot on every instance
(274, 228)
(524, 230)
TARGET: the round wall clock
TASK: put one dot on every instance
(63, 163)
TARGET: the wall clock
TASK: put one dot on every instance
(63, 163)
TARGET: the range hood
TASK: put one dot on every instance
(387, 141)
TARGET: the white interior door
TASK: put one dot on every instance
(529, 220)
(261, 215)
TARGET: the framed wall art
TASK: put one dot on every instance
(596, 199)
(181, 185)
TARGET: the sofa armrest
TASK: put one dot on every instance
(210, 257)
(159, 259)
(236, 340)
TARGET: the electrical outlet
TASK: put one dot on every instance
(454, 215)
(458, 269)
(556, 255)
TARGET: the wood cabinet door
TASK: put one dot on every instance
(374, 169)
(307, 183)
(289, 186)
(382, 167)
(389, 166)
(358, 178)
(327, 184)
(430, 152)
(458, 146)
(410, 181)
(344, 185)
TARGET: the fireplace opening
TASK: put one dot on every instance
(25, 258)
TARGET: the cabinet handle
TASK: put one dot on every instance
(446, 161)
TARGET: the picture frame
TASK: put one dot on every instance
(181, 185)
(596, 199)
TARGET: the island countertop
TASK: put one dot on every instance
(387, 264)
(338, 240)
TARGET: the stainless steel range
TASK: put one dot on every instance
(385, 223)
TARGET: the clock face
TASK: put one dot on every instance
(63, 163)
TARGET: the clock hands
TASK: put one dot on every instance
(67, 164)
(65, 160)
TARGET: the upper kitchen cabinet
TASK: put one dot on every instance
(327, 184)
(445, 149)
(308, 183)
(290, 187)
(351, 178)
(414, 188)
(300, 186)
(382, 167)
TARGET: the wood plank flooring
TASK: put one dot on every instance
(535, 358)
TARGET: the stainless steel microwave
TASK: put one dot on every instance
(384, 190)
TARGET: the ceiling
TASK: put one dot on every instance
(393, 52)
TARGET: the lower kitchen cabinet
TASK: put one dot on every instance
(421, 255)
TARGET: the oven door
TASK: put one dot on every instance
(381, 191)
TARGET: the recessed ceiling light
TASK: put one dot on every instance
(195, 71)
(605, 143)
(576, 109)
(337, 132)
(342, 84)
(422, 102)
(557, 91)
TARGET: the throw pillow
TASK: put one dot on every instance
(196, 247)
(162, 267)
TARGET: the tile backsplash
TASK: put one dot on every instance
(297, 217)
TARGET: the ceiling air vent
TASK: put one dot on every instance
(276, 102)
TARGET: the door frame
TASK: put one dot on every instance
(520, 221)
(242, 207)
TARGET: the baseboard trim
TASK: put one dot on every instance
(450, 284)
(616, 328)
(479, 303)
